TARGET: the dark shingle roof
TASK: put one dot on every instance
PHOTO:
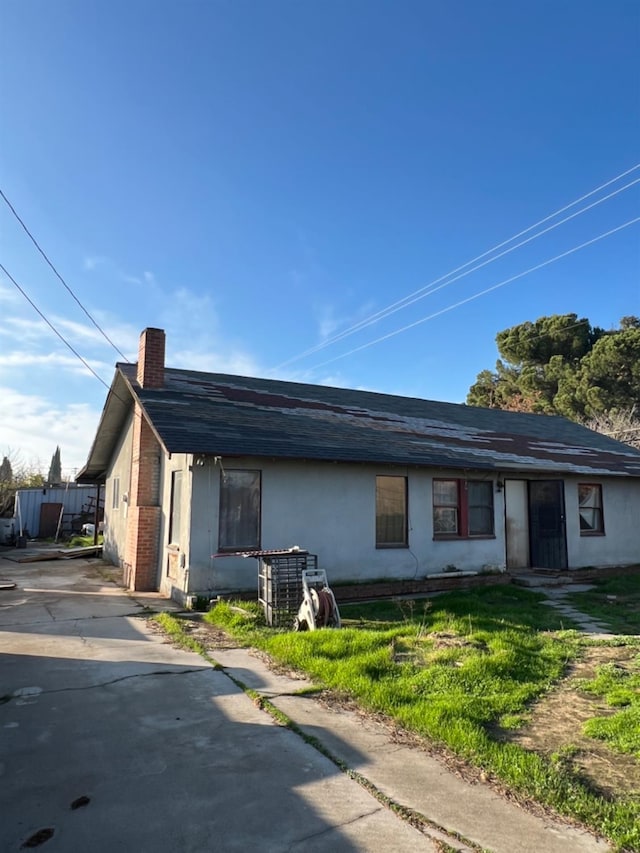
(223, 415)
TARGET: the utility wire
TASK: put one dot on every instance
(42, 252)
(409, 300)
(479, 294)
(52, 327)
(430, 288)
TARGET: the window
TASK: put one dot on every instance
(590, 509)
(480, 504)
(391, 512)
(462, 508)
(176, 507)
(239, 525)
(115, 494)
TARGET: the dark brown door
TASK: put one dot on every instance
(547, 534)
(49, 515)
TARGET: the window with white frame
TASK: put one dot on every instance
(239, 520)
(462, 508)
(590, 509)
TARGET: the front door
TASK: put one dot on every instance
(547, 533)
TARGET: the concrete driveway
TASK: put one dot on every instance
(112, 740)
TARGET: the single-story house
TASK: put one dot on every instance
(200, 468)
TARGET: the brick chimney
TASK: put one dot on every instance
(151, 359)
(142, 548)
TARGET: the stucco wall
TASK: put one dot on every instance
(621, 507)
(174, 555)
(115, 518)
(330, 511)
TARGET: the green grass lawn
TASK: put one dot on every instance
(615, 601)
(79, 541)
(620, 687)
(455, 669)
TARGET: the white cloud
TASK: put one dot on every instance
(91, 262)
(28, 331)
(328, 324)
(8, 295)
(32, 425)
(195, 340)
(24, 330)
(229, 361)
(11, 361)
(123, 335)
(147, 278)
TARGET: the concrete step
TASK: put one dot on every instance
(560, 579)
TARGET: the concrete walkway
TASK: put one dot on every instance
(174, 756)
(556, 596)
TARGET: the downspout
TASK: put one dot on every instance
(96, 515)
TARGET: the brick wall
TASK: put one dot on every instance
(144, 510)
(151, 358)
(390, 589)
(145, 463)
(143, 526)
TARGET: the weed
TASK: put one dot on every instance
(615, 601)
(620, 687)
(83, 541)
(451, 672)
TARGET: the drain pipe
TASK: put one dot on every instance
(185, 589)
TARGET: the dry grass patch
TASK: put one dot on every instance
(555, 725)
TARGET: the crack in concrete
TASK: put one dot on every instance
(337, 826)
(83, 619)
(117, 680)
(430, 829)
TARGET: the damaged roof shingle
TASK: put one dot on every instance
(239, 416)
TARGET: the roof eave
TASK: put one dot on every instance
(116, 408)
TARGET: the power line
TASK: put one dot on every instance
(52, 327)
(42, 252)
(410, 301)
(416, 298)
(479, 294)
(428, 289)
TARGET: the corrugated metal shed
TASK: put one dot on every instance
(75, 499)
(233, 416)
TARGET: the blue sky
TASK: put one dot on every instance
(257, 177)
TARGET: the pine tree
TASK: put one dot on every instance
(6, 472)
(55, 470)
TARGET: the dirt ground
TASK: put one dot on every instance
(557, 720)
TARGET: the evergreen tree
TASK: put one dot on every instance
(6, 472)
(55, 470)
(561, 365)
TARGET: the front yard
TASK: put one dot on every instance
(497, 679)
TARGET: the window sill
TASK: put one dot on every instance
(592, 533)
(444, 537)
(391, 547)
